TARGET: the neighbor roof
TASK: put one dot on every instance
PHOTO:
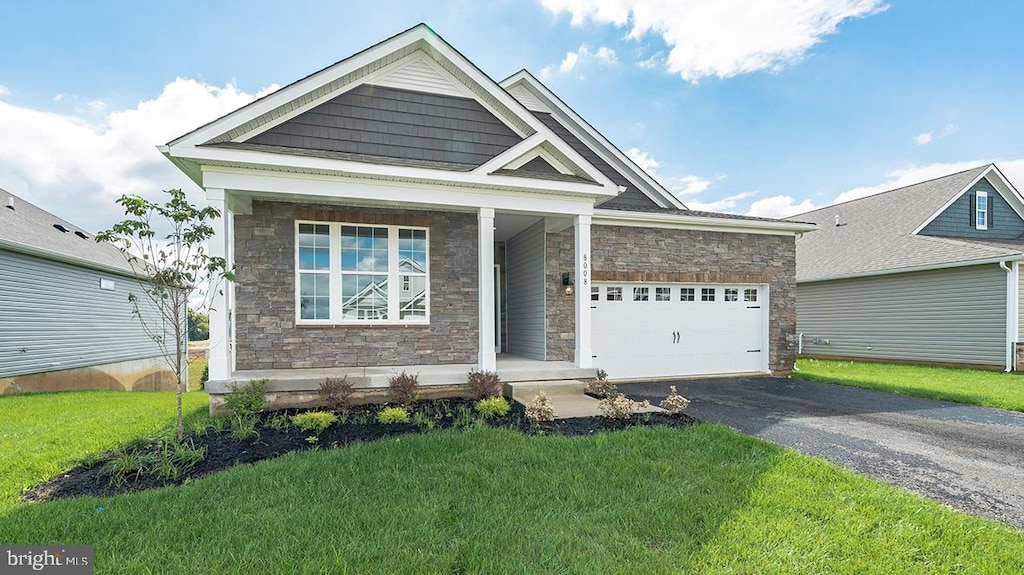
(29, 229)
(876, 233)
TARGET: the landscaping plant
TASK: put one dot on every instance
(674, 403)
(483, 384)
(599, 386)
(390, 415)
(171, 272)
(492, 407)
(403, 388)
(315, 421)
(620, 407)
(540, 410)
(336, 392)
(246, 400)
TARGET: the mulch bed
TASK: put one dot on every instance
(223, 450)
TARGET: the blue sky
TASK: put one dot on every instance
(767, 108)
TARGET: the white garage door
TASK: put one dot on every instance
(663, 330)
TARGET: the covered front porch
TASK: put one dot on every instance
(297, 387)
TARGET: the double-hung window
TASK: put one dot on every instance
(351, 273)
(981, 210)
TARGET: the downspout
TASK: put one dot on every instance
(1012, 335)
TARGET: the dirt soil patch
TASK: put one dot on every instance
(224, 450)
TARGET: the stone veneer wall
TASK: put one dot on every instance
(662, 255)
(267, 336)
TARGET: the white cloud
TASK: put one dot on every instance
(779, 207)
(582, 55)
(690, 185)
(926, 138)
(58, 97)
(3, 90)
(726, 204)
(723, 38)
(76, 166)
(642, 159)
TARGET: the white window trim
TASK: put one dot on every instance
(979, 213)
(393, 273)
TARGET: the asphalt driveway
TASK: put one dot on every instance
(970, 458)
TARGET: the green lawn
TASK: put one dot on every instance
(195, 372)
(43, 434)
(703, 499)
(973, 386)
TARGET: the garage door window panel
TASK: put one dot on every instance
(687, 294)
(731, 294)
(707, 294)
(641, 294)
(614, 294)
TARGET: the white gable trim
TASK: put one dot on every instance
(533, 146)
(604, 148)
(420, 73)
(1000, 183)
(356, 69)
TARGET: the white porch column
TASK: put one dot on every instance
(220, 363)
(584, 351)
(485, 267)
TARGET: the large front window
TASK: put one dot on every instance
(359, 273)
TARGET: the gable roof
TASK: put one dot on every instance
(586, 140)
(28, 229)
(416, 57)
(878, 233)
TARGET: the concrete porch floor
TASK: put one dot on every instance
(510, 369)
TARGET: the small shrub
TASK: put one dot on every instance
(620, 407)
(492, 407)
(315, 421)
(246, 400)
(674, 403)
(482, 384)
(403, 388)
(540, 409)
(600, 388)
(336, 392)
(390, 415)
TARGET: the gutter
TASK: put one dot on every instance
(1012, 311)
(682, 221)
(64, 258)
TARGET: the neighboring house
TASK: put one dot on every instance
(401, 208)
(925, 273)
(65, 319)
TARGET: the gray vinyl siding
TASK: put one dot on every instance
(54, 316)
(1020, 302)
(524, 302)
(957, 220)
(631, 198)
(956, 315)
(393, 123)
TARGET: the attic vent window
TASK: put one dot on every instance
(10, 203)
(61, 228)
(82, 235)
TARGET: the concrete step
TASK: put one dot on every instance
(524, 391)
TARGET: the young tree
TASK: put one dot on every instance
(171, 270)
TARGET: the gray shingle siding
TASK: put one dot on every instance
(388, 122)
(957, 220)
(954, 315)
(632, 197)
(56, 317)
